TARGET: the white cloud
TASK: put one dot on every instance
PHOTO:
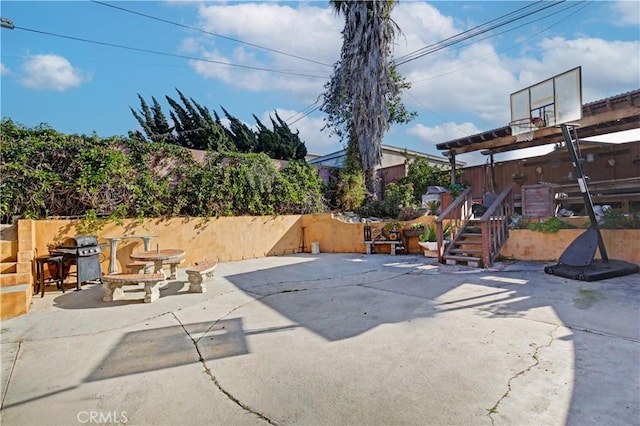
(626, 12)
(471, 84)
(443, 132)
(608, 67)
(51, 72)
(317, 37)
(4, 70)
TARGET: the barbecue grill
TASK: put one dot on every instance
(84, 252)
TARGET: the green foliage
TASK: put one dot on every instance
(455, 189)
(430, 233)
(550, 226)
(351, 189)
(422, 174)
(363, 84)
(397, 196)
(279, 143)
(617, 220)
(303, 189)
(45, 173)
(195, 127)
(433, 206)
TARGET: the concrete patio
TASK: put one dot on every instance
(332, 339)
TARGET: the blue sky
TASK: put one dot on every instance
(81, 87)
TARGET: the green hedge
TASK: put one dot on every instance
(45, 173)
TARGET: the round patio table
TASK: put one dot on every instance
(158, 257)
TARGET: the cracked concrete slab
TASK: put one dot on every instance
(333, 339)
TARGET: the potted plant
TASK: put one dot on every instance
(429, 239)
(433, 206)
(392, 230)
(519, 177)
(414, 230)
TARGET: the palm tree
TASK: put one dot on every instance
(362, 85)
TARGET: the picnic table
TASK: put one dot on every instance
(159, 257)
(113, 245)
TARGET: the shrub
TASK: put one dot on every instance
(397, 196)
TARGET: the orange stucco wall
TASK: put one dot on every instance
(236, 238)
(224, 239)
(522, 244)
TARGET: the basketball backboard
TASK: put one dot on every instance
(551, 102)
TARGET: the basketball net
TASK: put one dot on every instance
(524, 128)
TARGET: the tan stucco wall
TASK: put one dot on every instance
(224, 239)
(237, 238)
(621, 244)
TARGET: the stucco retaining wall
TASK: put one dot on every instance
(522, 244)
(236, 238)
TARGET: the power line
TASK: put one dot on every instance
(468, 34)
(209, 33)
(460, 37)
(584, 4)
(155, 52)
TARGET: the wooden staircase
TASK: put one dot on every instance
(474, 241)
(467, 248)
(16, 277)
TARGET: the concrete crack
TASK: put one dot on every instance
(13, 366)
(494, 410)
(215, 381)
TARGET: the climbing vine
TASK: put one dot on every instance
(46, 173)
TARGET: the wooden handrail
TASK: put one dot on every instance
(457, 214)
(494, 224)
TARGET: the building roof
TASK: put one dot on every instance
(337, 156)
(609, 115)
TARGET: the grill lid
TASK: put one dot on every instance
(81, 241)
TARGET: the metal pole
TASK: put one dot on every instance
(452, 161)
(582, 183)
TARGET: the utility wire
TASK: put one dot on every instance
(460, 37)
(209, 33)
(174, 55)
(584, 3)
(465, 35)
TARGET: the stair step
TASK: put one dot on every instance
(15, 300)
(469, 260)
(473, 242)
(465, 250)
(16, 279)
(470, 235)
(8, 267)
(8, 250)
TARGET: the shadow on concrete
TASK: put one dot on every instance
(336, 301)
(90, 297)
(166, 347)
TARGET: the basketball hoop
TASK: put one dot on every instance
(524, 128)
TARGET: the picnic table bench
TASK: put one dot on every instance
(138, 267)
(197, 273)
(112, 285)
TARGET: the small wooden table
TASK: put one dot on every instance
(158, 257)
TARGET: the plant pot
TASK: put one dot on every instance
(394, 235)
(53, 269)
(412, 232)
(429, 245)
